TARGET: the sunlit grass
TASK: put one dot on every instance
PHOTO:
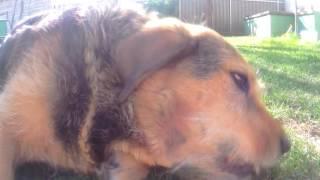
(301, 163)
(290, 70)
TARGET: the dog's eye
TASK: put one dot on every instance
(241, 81)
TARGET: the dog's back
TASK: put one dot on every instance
(52, 87)
(115, 89)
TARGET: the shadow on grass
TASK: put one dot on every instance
(301, 163)
(281, 79)
(292, 77)
(41, 171)
(286, 83)
(307, 60)
(278, 47)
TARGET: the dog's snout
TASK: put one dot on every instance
(284, 144)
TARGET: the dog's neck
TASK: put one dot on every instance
(112, 120)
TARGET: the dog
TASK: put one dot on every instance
(117, 92)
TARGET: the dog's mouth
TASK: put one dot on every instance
(235, 171)
(239, 169)
(228, 171)
(227, 162)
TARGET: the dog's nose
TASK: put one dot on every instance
(284, 144)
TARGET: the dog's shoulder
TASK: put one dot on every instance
(16, 43)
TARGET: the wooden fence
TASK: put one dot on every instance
(225, 16)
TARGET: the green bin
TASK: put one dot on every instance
(309, 26)
(3, 28)
(269, 24)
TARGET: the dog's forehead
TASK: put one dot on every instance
(212, 43)
(212, 51)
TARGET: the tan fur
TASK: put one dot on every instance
(199, 112)
(27, 112)
(176, 117)
(84, 149)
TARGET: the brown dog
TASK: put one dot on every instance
(89, 89)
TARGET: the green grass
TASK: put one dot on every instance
(301, 163)
(290, 70)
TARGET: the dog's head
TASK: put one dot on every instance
(196, 101)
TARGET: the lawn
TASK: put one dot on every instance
(290, 72)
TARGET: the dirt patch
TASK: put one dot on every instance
(308, 131)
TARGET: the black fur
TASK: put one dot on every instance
(74, 92)
(209, 54)
(202, 66)
(107, 126)
(73, 97)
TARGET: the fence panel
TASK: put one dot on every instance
(225, 16)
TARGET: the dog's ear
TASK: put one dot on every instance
(29, 21)
(149, 50)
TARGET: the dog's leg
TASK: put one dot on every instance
(125, 167)
(7, 150)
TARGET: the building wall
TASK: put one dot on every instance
(265, 22)
(309, 26)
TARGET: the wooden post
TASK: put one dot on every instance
(21, 9)
(230, 17)
(209, 14)
(180, 10)
(295, 17)
(13, 13)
